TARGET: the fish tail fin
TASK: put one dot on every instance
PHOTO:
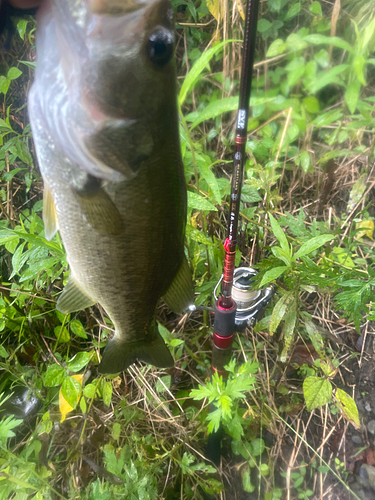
(119, 355)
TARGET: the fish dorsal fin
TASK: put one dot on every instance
(180, 294)
(99, 209)
(49, 214)
(119, 355)
(73, 298)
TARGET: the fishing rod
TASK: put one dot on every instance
(237, 306)
(225, 306)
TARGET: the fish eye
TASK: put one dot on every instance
(160, 47)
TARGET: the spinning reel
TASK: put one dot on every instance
(250, 302)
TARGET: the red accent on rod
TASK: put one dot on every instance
(229, 266)
(223, 342)
(224, 373)
(226, 308)
(240, 140)
(227, 244)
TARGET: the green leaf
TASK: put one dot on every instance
(209, 176)
(198, 236)
(290, 321)
(312, 245)
(354, 300)
(293, 11)
(35, 239)
(176, 342)
(234, 427)
(89, 391)
(264, 469)
(71, 389)
(316, 8)
(305, 161)
(324, 119)
(279, 310)
(224, 105)
(317, 392)
(273, 274)
(348, 407)
(294, 42)
(282, 255)
(14, 73)
(199, 203)
(116, 431)
(8, 235)
(29, 64)
(315, 337)
(77, 328)
(3, 352)
(214, 421)
(326, 78)
(4, 127)
(83, 405)
(8, 176)
(358, 64)
(322, 58)
(186, 462)
(39, 266)
(23, 152)
(246, 479)
(263, 324)
(277, 47)
(279, 233)
(214, 109)
(11, 246)
(6, 425)
(249, 195)
(54, 375)
(352, 95)
(21, 27)
(163, 383)
(257, 447)
(317, 39)
(4, 84)
(80, 360)
(107, 393)
(368, 35)
(343, 256)
(61, 334)
(311, 104)
(194, 74)
(356, 193)
(263, 25)
(238, 448)
(18, 260)
(336, 153)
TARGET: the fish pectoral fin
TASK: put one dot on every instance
(99, 209)
(73, 298)
(49, 214)
(119, 355)
(180, 294)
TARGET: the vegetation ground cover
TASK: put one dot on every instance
(300, 398)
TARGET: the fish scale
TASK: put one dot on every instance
(119, 199)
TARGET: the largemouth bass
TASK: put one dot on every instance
(104, 119)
